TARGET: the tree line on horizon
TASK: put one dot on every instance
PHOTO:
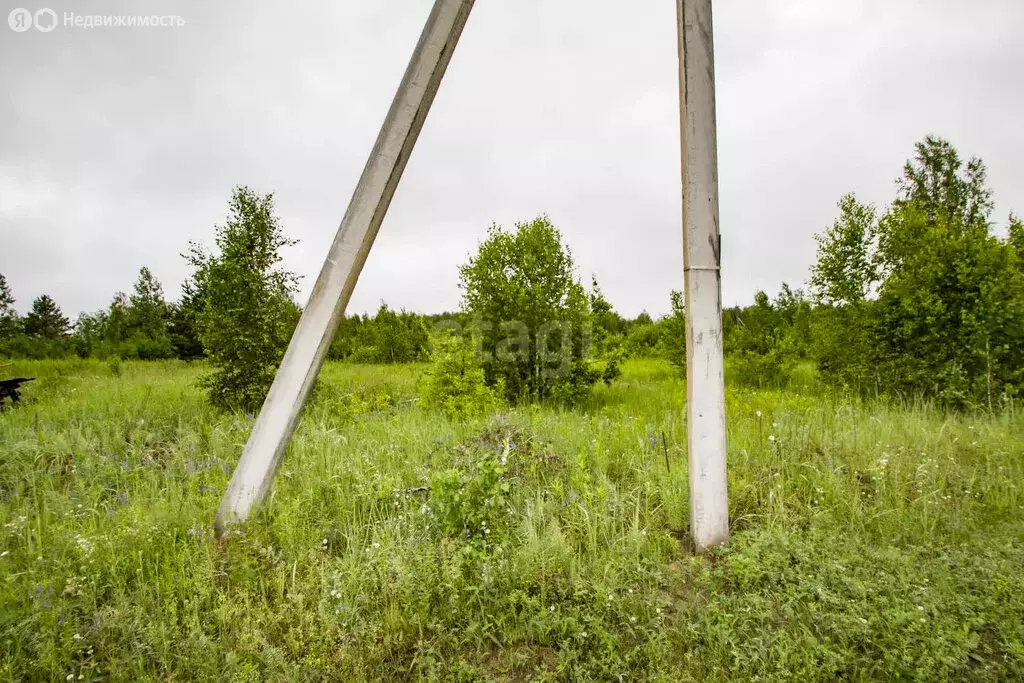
(920, 297)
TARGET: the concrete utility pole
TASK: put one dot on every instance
(705, 383)
(305, 355)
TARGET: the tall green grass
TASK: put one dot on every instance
(870, 541)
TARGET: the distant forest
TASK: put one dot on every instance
(924, 297)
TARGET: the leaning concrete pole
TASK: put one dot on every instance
(705, 385)
(305, 355)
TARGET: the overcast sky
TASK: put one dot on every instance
(119, 145)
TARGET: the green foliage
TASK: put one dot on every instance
(948, 317)
(148, 318)
(607, 347)
(767, 340)
(455, 383)
(10, 324)
(1016, 237)
(132, 327)
(673, 332)
(245, 315)
(532, 316)
(643, 338)
(847, 266)
(843, 347)
(470, 499)
(42, 333)
(391, 337)
(45, 320)
(183, 333)
(387, 337)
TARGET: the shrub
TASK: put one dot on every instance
(533, 317)
(455, 382)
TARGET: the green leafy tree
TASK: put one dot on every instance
(607, 340)
(794, 310)
(764, 341)
(847, 267)
(183, 324)
(948, 316)
(88, 335)
(938, 184)
(118, 325)
(1016, 237)
(388, 337)
(9, 322)
(46, 321)
(183, 333)
(532, 316)
(147, 319)
(673, 335)
(642, 336)
(246, 314)
(347, 338)
(845, 276)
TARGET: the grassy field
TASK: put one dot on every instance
(871, 542)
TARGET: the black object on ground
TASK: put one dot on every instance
(9, 388)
